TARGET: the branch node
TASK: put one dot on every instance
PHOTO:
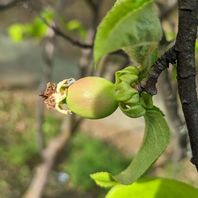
(149, 84)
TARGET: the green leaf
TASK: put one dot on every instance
(16, 32)
(103, 179)
(130, 24)
(156, 139)
(154, 188)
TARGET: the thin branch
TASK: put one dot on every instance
(184, 53)
(60, 33)
(149, 84)
(185, 48)
(77, 43)
(93, 5)
(10, 4)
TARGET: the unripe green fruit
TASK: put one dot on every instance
(92, 97)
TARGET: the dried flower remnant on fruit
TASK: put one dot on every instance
(55, 95)
(48, 95)
(63, 85)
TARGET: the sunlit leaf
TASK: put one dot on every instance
(103, 179)
(16, 32)
(154, 188)
(130, 24)
(156, 139)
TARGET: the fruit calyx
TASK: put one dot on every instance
(55, 95)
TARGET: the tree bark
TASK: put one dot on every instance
(185, 50)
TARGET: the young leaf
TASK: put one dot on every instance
(154, 188)
(130, 24)
(103, 179)
(155, 142)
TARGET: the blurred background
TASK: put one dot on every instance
(46, 154)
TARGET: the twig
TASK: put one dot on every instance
(185, 47)
(77, 43)
(86, 60)
(149, 84)
(93, 5)
(10, 4)
(58, 32)
(184, 53)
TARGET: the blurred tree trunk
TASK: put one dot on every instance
(48, 53)
(56, 145)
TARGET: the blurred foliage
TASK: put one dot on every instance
(76, 26)
(35, 29)
(18, 149)
(18, 153)
(88, 155)
(170, 36)
(51, 126)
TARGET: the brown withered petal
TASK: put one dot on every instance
(50, 102)
(50, 89)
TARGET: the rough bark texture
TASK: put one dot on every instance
(185, 47)
(184, 53)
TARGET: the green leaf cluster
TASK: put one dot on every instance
(131, 102)
(18, 149)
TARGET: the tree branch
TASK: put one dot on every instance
(58, 32)
(149, 84)
(77, 43)
(48, 53)
(185, 48)
(9, 4)
(184, 53)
